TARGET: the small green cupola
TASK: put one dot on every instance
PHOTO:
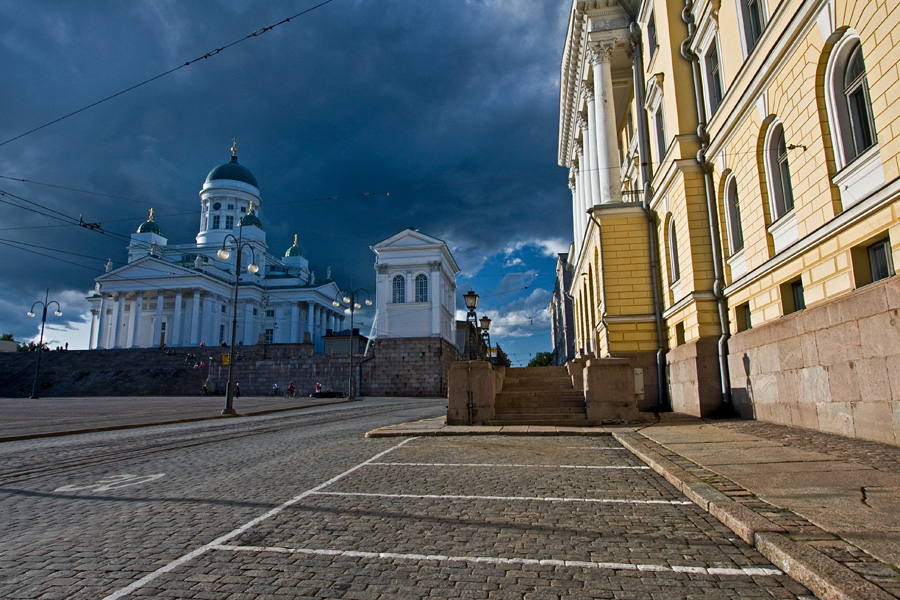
(149, 226)
(250, 219)
(294, 250)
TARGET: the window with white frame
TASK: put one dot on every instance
(674, 268)
(398, 289)
(733, 216)
(715, 89)
(753, 21)
(651, 36)
(421, 288)
(850, 106)
(659, 122)
(781, 192)
(229, 222)
(215, 222)
(654, 106)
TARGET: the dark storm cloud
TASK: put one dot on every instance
(451, 107)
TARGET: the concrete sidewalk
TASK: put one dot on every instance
(823, 508)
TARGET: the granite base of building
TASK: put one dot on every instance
(834, 367)
(693, 374)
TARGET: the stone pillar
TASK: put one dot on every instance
(573, 176)
(605, 117)
(434, 281)
(382, 295)
(215, 338)
(157, 325)
(93, 334)
(311, 320)
(584, 191)
(591, 136)
(136, 309)
(295, 322)
(120, 310)
(206, 334)
(248, 325)
(609, 389)
(176, 326)
(103, 325)
(195, 319)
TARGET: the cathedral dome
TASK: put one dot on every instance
(149, 226)
(232, 171)
(293, 250)
(250, 219)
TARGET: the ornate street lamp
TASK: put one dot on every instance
(471, 300)
(224, 254)
(485, 326)
(349, 300)
(45, 305)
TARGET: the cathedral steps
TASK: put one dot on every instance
(539, 396)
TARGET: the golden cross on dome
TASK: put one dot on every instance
(251, 208)
(151, 214)
(295, 239)
(234, 147)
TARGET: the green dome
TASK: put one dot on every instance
(149, 226)
(294, 250)
(233, 171)
(250, 219)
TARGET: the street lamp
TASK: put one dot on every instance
(349, 299)
(485, 326)
(40, 348)
(224, 254)
(471, 300)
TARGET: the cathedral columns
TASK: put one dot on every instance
(157, 325)
(93, 325)
(206, 333)
(136, 308)
(120, 310)
(216, 335)
(103, 325)
(434, 280)
(248, 325)
(605, 129)
(310, 320)
(176, 328)
(295, 322)
(195, 319)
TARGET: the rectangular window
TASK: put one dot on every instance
(742, 316)
(651, 36)
(270, 335)
(713, 78)
(753, 22)
(660, 133)
(229, 222)
(872, 261)
(270, 312)
(231, 207)
(679, 334)
(254, 312)
(792, 298)
(221, 333)
(215, 222)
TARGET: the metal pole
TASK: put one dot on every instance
(40, 349)
(229, 393)
(352, 301)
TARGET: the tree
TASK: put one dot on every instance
(541, 359)
(7, 337)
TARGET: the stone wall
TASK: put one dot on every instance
(398, 367)
(834, 367)
(693, 374)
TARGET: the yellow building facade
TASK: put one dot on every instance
(735, 174)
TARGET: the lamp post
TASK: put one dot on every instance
(224, 253)
(471, 300)
(45, 304)
(349, 299)
(485, 326)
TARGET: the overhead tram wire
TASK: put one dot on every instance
(209, 54)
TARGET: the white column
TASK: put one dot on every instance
(94, 333)
(216, 322)
(103, 325)
(310, 320)
(295, 322)
(195, 319)
(382, 295)
(157, 325)
(206, 333)
(248, 325)
(584, 192)
(136, 309)
(605, 113)
(342, 323)
(175, 335)
(120, 310)
(591, 134)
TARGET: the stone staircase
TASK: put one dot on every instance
(539, 396)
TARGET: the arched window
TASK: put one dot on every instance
(781, 192)
(398, 289)
(674, 268)
(421, 288)
(733, 215)
(851, 106)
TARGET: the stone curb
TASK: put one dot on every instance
(825, 577)
(34, 436)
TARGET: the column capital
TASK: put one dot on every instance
(601, 52)
(579, 149)
(381, 269)
(588, 94)
(434, 265)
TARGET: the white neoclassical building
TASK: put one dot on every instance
(182, 295)
(415, 293)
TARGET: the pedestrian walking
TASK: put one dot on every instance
(237, 390)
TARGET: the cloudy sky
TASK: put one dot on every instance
(359, 119)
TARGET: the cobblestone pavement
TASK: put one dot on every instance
(302, 506)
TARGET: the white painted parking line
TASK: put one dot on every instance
(236, 532)
(417, 464)
(592, 448)
(505, 498)
(737, 571)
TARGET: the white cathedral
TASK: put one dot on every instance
(182, 295)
